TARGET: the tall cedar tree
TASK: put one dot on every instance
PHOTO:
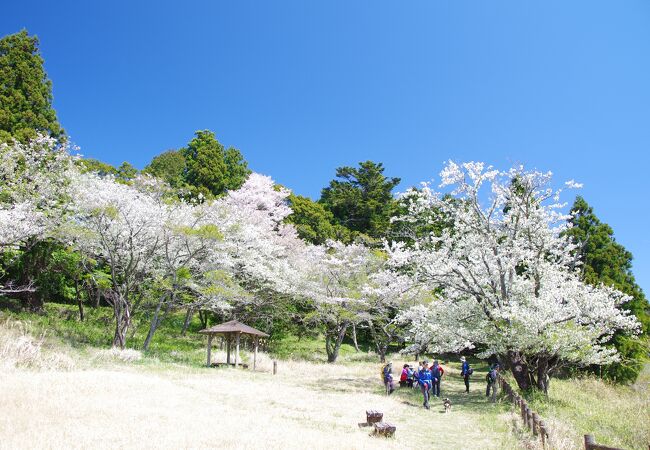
(211, 169)
(361, 200)
(606, 261)
(25, 91)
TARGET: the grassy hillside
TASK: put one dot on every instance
(53, 361)
(71, 397)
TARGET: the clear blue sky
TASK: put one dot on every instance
(302, 87)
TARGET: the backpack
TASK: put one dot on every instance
(436, 373)
(470, 371)
(491, 376)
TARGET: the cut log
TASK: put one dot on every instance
(384, 429)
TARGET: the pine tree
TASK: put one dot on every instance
(25, 91)
(606, 261)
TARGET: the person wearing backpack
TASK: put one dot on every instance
(388, 378)
(424, 380)
(465, 371)
(491, 380)
(436, 375)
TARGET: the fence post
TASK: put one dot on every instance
(535, 423)
(275, 367)
(543, 432)
(589, 441)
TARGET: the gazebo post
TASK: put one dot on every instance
(257, 340)
(237, 352)
(209, 348)
(228, 347)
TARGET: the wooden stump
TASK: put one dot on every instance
(384, 429)
(373, 416)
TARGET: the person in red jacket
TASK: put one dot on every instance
(403, 378)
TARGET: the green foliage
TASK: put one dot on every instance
(169, 166)
(211, 169)
(606, 261)
(362, 199)
(314, 223)
(96, 166)
(25, 91)
(126, 172)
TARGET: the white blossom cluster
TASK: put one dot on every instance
(506, 277)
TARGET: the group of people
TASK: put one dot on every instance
(428, 379)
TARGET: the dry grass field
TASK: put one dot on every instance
(53, 395)
(100, 399)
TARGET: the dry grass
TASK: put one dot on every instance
(617, 416)
(121, 404)
(18, 349)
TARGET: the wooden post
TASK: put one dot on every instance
(228, 349)
(535, 423)
(237, 351)
(543, 433)
(275, 367)
(529, 418)
(257, 341)
(209, 348)
(589, 441)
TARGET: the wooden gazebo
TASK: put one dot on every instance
(230, 330)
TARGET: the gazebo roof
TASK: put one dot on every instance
(233, 326)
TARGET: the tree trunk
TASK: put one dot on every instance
(203, 317)
(354, 337)
(381, 350)
(122, 311)
(188, 321)
(154, 323)
(519, 369)
(542, 375)
(333, 340)
(79, 301)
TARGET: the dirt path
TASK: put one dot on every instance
(318, 407)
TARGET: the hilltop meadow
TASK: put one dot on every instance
(55, 374)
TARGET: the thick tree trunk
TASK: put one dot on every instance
(354, 337)
(519, 370)
(542, 375)
(122, 311)
(334, 339)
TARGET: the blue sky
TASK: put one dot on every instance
(302, 87)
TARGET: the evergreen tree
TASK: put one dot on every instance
(314, 223)
(25, 91)
(361, 200)
(211, 169)
(606, 261)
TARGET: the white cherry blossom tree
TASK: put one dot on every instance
(33, 194)
(506, 277)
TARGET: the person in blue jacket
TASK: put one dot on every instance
(465, 372)
(424, 380)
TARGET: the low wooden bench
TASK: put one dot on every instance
(384, 429)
